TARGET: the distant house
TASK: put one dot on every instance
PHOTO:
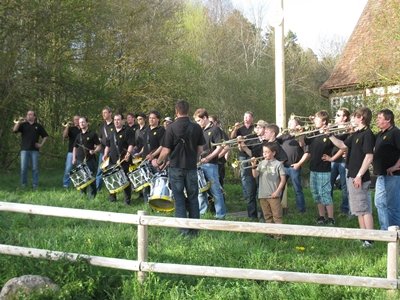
(370, 63)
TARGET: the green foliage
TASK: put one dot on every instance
(79, 280)
(62, 58)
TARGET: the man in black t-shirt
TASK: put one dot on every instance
(209, 163)
(70, 132)
(31, 132)
(387, 166)
(105, 130)
(119, 147)
(183, 143)
(360, 147)
(320, 170)
(86, 146)
(248, 181)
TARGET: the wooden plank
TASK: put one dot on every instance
(108, 262)
(284, 229)
(94, 215)
(270, 275)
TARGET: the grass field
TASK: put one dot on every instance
(213, 248)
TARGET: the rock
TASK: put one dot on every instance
(26, 284)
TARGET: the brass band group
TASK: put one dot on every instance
(180, 164)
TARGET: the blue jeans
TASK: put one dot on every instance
(387, 200)
(68, 167)
(99, 174)
(249, 187)
(212, 175)
(32, 157)
(179, 181)
(339, 168)
(295, 177)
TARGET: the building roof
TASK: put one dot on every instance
(372, 53)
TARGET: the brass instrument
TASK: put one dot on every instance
(231, 128)
(66, 124)
(235, 142)
(239, 163)
(19, 120)
(335, 129)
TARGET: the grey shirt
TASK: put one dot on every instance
(270, 176)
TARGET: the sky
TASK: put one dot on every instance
(315, 22)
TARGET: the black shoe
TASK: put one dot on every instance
(367, 244)
(112, 197)
(321, 220)
(330, 221)
(128, 202)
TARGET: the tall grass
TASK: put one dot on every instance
(82, 281)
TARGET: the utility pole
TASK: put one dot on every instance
(277, 21)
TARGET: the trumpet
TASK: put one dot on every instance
(19, 120)
(231, 128)
(66, 123)
(239, 163)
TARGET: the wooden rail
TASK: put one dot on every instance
(142, 266)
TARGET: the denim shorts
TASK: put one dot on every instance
(320, 185)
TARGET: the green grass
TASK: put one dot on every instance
(225, 249)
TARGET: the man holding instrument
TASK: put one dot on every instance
(86, 146)
(119, 147)
(105, 130)
(183, 143)
(247, 179)
(209, 163)
(70, 132)
(31, 132)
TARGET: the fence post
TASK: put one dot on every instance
(393, 256)
(142, 245)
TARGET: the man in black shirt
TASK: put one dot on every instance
(295, 159)
(247, 179)
(183, 143)
(387, 166)
(320, 170)
(209, 163)
(70, 132)
(31, 132)
(86, 146)
(360, 147)
(105, 130)
(119, 147)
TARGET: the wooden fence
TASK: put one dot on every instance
(141, 265)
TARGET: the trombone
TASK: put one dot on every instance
(334, 129)
(231, 128)
(235, 142)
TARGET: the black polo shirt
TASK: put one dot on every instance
(183, 137)
(105, 131)
(152, 139)
(248, 132)
(292, 148)
(72, 134)
(119, 141)
(139, 136)
(89, 140)
(30, 134)
(317, 147)
(335, 149)
(387, 150)
(212, 134)
(359, 144)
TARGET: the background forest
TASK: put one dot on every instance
(66, 57)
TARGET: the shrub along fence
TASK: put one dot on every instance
(141, 265)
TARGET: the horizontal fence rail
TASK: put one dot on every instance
(141, 265)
